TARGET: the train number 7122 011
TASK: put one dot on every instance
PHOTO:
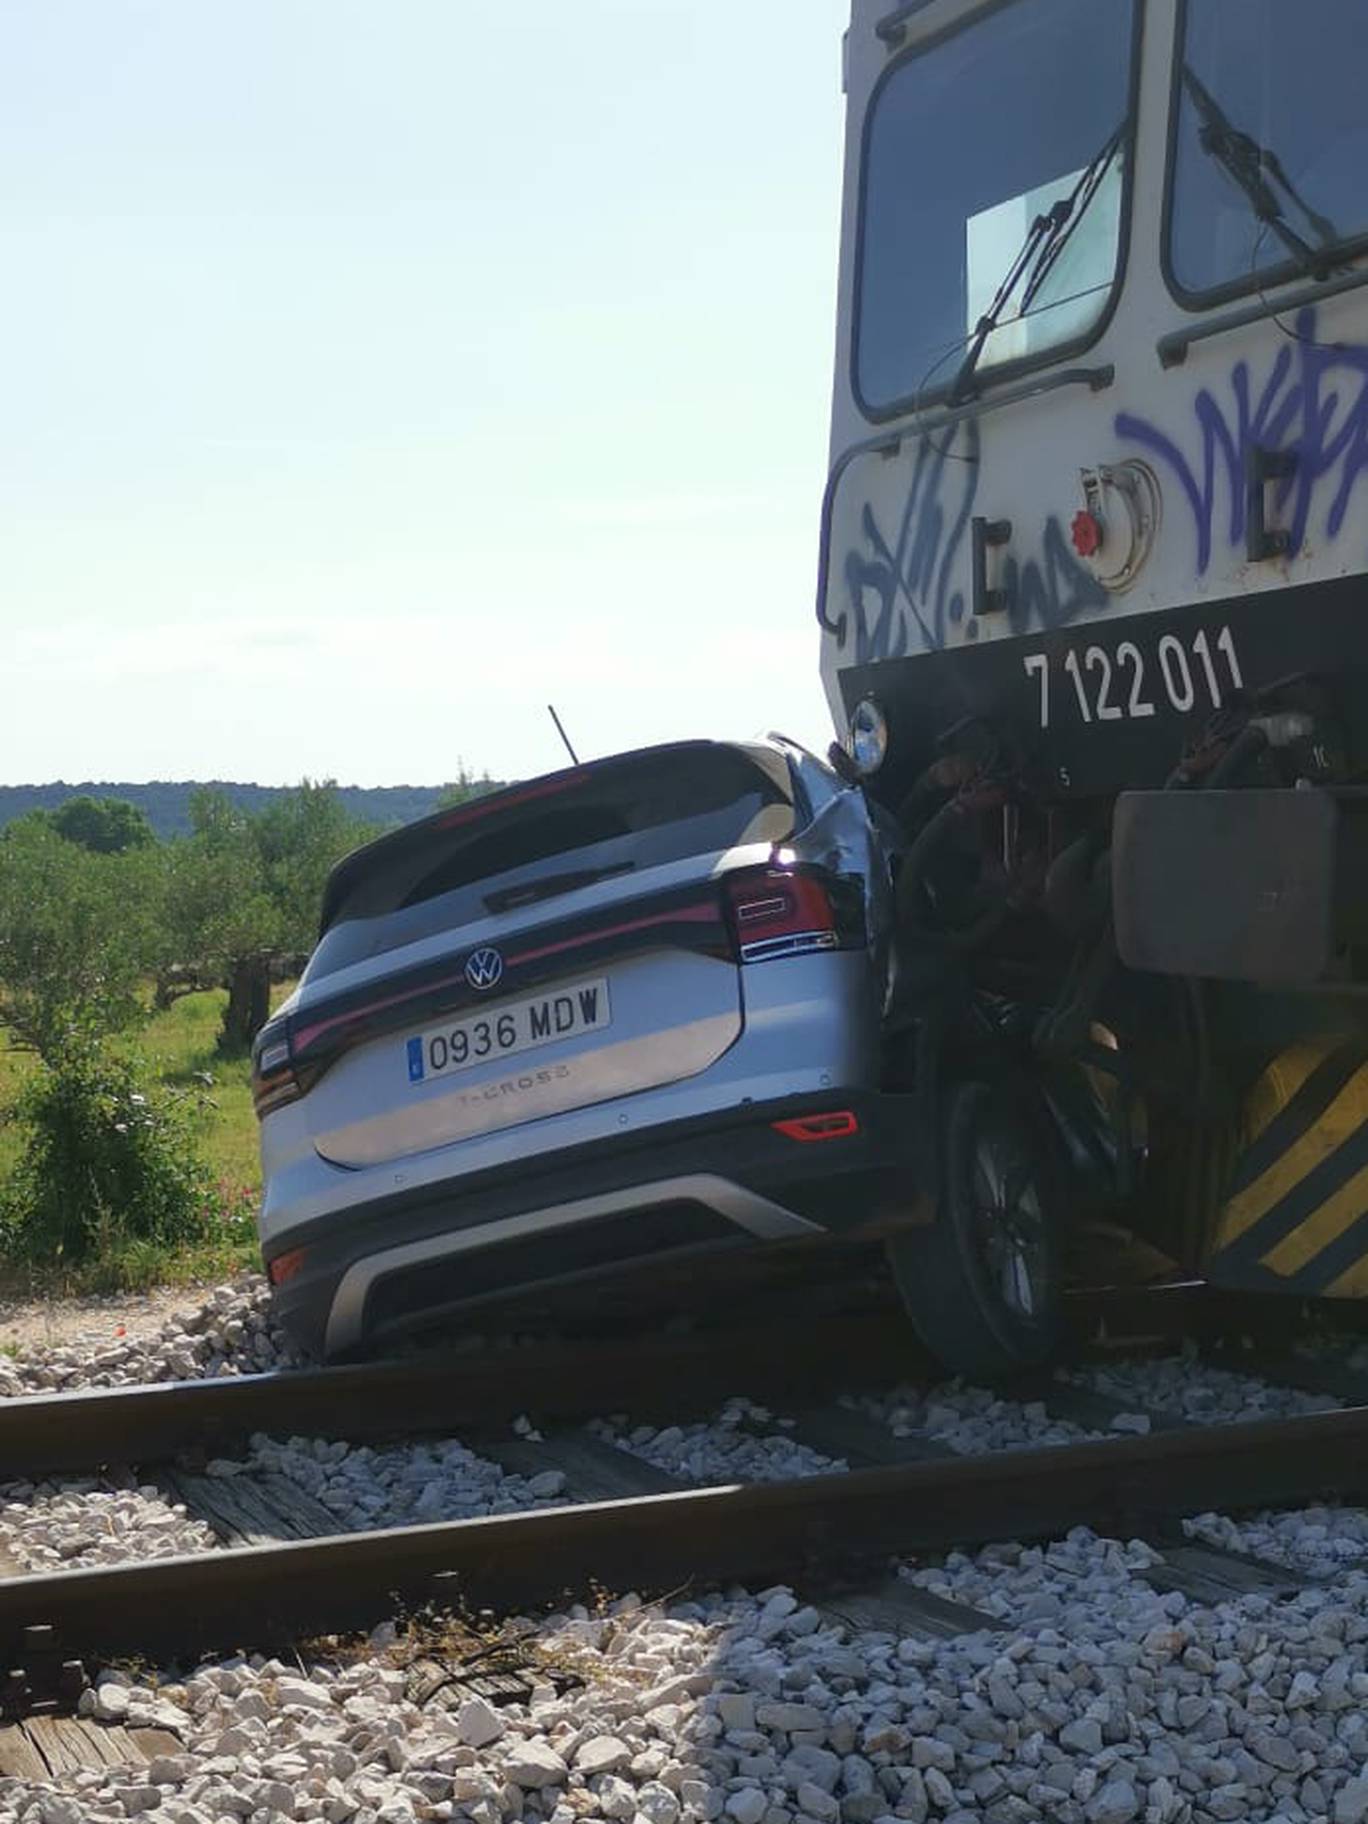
(1131, 680)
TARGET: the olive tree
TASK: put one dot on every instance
(78, 938)
(221, 923)
(242, 895)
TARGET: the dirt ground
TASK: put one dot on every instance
(30, 1324)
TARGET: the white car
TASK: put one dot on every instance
(626, 1011)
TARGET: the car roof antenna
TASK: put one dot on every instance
(551, 711)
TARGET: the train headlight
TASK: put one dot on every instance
(868, 736)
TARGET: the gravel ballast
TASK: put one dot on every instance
(1189, 1388)
(743, 1443)
(229, 1332)
(88, 1521)
(400, 1485)
(1092, 1700)
(65, 1526)
(969, 1420)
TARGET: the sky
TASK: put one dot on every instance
(377, 371)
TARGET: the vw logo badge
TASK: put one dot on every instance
(483, 968)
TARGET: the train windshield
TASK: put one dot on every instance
(970, 144)
(1272, 141)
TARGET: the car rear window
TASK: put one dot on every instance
(633, 812)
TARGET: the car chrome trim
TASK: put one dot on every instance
(758, 1216)
(483, 968)
(796, 943)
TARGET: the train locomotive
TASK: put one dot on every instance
(1094, 627)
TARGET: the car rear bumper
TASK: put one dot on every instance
(689, 1187)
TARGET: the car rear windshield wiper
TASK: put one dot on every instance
(528, 892)
(1247, 162)
(1049, 235)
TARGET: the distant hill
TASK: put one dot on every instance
(167, 802)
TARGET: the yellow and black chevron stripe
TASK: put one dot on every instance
(1296, 1218)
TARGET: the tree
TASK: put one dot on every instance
(108, 826)
(78, 937)
(242, 895)
(221, 924)
(301, 837)
(463, 788)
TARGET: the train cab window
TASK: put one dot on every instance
(1266, 177)
(993, 197)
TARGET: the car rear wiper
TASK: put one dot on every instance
(1246, 161)
(1048, 236)
(528, 892)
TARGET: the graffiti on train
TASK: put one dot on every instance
(903, 591)
(1313, 401)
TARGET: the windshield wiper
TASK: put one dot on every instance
(1246, 161)
(528, 892)
(1049, 235)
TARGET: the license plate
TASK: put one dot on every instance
(508, 1028)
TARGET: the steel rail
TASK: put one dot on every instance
(448, 1392)
(821, 1531)
(657, 1376)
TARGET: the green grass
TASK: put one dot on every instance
(181, 1046)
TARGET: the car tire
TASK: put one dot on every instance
(982, 1282)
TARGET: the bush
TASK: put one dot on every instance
(104, 1168)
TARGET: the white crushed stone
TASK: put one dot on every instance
(1319, 1542)
(1111, 1705)
(64, 1524)
(969, 1420)
(396, 1485)
(729, 1448)
(87, 1521)
(1082, 1586)
(745, 1442)
(230, 1332)
(1202, 1395)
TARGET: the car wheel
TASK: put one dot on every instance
(981, 1283)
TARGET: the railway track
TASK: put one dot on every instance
(659, 1375)
(286, 1570)
(848, 1540)
(824, 1532)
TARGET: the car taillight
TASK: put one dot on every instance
(838, 1124)
(784, 911)
(273, 1078)
(285, 1266)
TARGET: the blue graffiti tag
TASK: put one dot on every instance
(1296, 410)
(1053, 591)
(900, 594)
(895, 585)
